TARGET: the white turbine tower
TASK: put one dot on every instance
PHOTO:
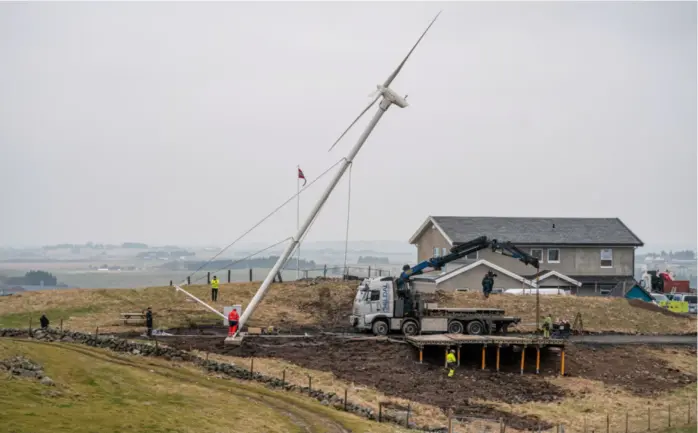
(389, 98)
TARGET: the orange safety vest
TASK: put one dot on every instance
(233, 316)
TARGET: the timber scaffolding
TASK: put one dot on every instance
(457, 340)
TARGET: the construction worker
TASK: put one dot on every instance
(214, 289)
(149, 322)
(451, 362)
(488, 283)
(44, 321)
(547, 326)
(233, 319)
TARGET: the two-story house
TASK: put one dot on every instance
(587, 255)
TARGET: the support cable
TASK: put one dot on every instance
(264, 219)
(346, 238)
(234, 262)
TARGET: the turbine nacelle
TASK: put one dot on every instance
(391, 96)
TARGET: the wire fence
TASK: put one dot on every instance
(636, 420)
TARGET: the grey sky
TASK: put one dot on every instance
(184, 122)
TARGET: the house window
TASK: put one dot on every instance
(443, 251)
(553, 255)
(607, 258)
(537, 253)
(436, 252)
(472, 256)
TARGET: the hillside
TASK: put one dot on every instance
(305, 306)
(94, 387)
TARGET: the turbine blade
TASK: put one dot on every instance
(397, 71)
(354, 122)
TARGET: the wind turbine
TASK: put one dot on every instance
(389, 98)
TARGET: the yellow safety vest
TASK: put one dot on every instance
(450, 358)
(214, 283)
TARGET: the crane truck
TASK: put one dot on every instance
(390, 304)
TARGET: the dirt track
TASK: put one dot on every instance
(392, 369)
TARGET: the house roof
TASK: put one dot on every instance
(447, 276)
(533, 231)
(560, 276)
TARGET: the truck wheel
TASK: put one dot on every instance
(380, 328)
(455, 327)
(476, 328)
(410, 328)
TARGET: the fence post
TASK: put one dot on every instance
(206, 356)
(669, 415)
(283, 378)
(585, 424)
(608, 423)
(649, 419)
(324, 272)
(62, 331)
(310, 384)
(346, 390)
(450, 423)
(380, 411)
(189, 281)
(208, 278)
(689, 411)
(369, 271)
(97, 331)
(626, 421)
(229, 272)
(252, 366)
(407, 419)
(250, 275)
(30, 326)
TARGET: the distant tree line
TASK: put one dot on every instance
(371, 260)
(255, 263)
(32, 278)
(164, 254)
(94, 246)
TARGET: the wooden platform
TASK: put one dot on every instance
(460, 339)
(455, 341)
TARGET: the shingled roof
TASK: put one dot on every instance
(533, 231)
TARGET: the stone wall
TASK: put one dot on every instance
(227, 369)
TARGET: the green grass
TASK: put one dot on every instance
(97, 390)
(687, 429)
(22, 319)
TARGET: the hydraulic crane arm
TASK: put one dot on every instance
(462, 250)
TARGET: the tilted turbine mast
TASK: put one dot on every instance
(389, 98)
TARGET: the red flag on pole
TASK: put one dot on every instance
(302, 176)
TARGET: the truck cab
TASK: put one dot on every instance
(381, 308)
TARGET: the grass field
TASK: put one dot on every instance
(304, 304)
(97, 389)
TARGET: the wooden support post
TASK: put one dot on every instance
(61, 325)
(458, 356)
(407, 418)
(484, 346)
(689, 411)
(669, 415)
(626, 421)
(498, 347)
(229, 274)
(346, 391)
(324, 271)
(283, 377)
(310, 384)
(30, 326)
(649, 419)
(537, 359)
(523, 356)
(250, 274)
(450, 424)
(252, 366)
(562, 362)
(189, 281)
(421, 353)
(380, 411)
(208, 278)
(97, 331)
(446, 357)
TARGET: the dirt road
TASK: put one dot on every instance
(635, 339)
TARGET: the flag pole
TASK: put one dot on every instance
(298, 219)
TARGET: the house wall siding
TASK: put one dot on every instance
(555, 282)
(472, 280)
(582, 261)
(430, 239)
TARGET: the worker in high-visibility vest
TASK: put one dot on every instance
(547, 326)
(233, 319)
(451, 362)
(214, 289)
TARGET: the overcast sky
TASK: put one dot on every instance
(184, 122)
